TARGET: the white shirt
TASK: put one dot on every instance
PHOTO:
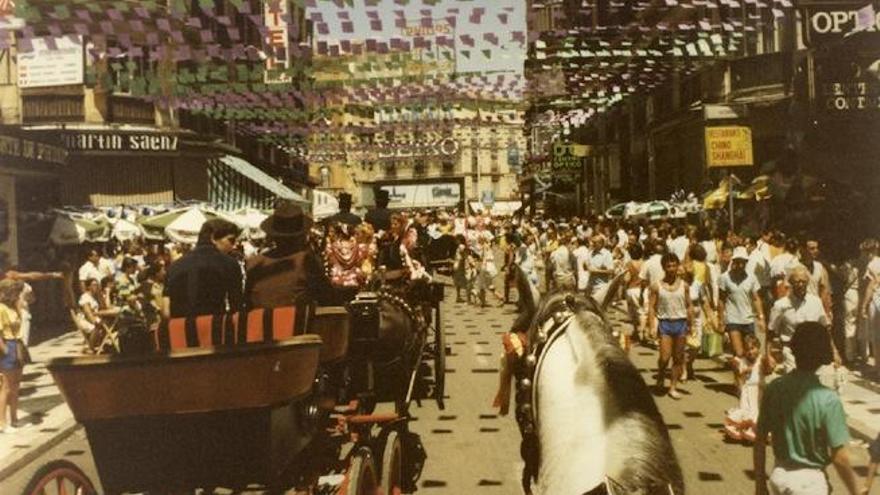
(601, 260)
(88, 271)
(582, 256)
(789, 312)
(87, 299)
(818, 276)
(759, 267)
(711, 251)
(738, 306)
(781, 265)
(561, 261)
(678, 246)
(652, 270)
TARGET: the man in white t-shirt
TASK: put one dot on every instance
(819, 284)
(795, 308)
(652, 269)
(601, 268)
(679, 243)
(582, 259)
(740, 308)
(562, 266)
(95, 267)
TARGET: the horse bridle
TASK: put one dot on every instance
(539, 339)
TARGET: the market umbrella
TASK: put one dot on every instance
(250, 220)
(181, 225)
(72, 228)
(125, 230)
(758, 190)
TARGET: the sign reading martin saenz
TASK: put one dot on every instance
(110, 142)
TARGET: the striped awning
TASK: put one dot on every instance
(234, 183)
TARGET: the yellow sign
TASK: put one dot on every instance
(729, 146)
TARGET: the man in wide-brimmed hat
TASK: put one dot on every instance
(290, 273)
(345, 215)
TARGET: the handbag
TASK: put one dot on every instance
(713, 344)
(3, 348)
(23, 355)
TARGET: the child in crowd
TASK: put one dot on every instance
(740, 421)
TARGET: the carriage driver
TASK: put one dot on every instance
(290, 273)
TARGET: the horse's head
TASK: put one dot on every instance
(586, 404)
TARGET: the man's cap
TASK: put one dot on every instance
(740, 253)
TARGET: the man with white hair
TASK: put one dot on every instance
(797, 307)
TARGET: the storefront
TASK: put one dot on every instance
(440, 193)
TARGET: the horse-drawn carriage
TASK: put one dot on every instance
(274, 399)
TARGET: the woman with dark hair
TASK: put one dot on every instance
(11, 364)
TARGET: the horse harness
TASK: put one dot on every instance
(539, 338)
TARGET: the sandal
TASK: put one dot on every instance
(674, 394)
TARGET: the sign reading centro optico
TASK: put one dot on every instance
(110, 142)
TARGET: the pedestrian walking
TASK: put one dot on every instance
(797, 307)
(670, 305)
(12, 353)
(740, 308)
(805, 423)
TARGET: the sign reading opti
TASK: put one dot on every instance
(57, 65)
(833, 22)
(729, 146)
(112, 142)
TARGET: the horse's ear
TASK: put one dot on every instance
(528, 305)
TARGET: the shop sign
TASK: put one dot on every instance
(120, 143)
(444, 147)
(569, 156)
(424, 195)
(32, 150)
(833, 22)
(729, 146)
(54, 61)
(275, 16)
(848, 85)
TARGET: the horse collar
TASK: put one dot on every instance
(544, 333)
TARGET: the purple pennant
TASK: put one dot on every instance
(107, 27)
(347, 27)
(114, 14)
(124, 39)
(475, 19)
(316, 17)
(81, 28)
(376, 25)
(427, 22)
(451, 20)
(400, 23)
(83, 14)
(163, 24)
(467, 40)
(55, 29)
(343, 14)
(152, 38)
(206, 35)
(373, 14)
(502, 18)
(491, 38)
(400, 13)
(194, 22)
(136, 25)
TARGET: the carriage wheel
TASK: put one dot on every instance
(60, 478)
(362, 474)
(392, 465)
(439, 363)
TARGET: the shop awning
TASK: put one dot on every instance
(235, 183)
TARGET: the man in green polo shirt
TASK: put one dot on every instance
(806, 421)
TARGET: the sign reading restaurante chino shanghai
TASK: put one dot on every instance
(729, 146)
(111, 142)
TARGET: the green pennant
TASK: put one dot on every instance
(465, 53)
(487, 53)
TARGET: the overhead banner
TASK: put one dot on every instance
(51, 62)
(275, 17)
(729, 146)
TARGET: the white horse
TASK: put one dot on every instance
(589, 422)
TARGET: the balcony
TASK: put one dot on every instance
(61, 104)
(129, 110)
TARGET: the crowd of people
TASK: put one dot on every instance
(685, 286)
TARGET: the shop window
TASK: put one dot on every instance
(756, 71)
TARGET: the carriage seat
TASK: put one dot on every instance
(261, 325)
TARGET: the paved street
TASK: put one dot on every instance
(472, 450)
